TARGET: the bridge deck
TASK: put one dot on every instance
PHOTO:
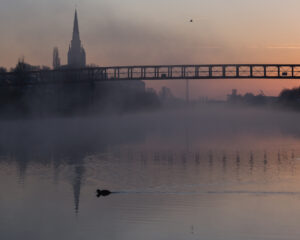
(157, 72)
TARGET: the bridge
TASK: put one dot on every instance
(155, 72)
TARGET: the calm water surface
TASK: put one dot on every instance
(209, 173)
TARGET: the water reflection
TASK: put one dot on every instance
(77, 181)
(214, 167)
(165, 173)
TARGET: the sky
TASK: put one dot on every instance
(140, 32)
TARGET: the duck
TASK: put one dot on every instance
(103, 193)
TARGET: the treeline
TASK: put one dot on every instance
(75, 99)
(290, 98)
(22, 66)
(250, 99)
(69, 98)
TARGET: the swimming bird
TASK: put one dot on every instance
(103, 193)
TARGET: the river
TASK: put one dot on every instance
(210, 172)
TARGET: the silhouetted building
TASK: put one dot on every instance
(56, 59)
(22, 66)
(165, 94)
(76, 54)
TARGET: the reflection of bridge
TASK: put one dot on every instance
(156, 72)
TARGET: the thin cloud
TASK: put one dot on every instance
(209, 47)
(283, 47)
(273, 47)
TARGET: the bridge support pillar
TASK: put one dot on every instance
(105, 74)
(115, 74)
(143, 72)
(128, 73)
(183, 72)
(170, 72)
(196, 72)
(210, 71)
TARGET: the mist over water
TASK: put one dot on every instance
(208, 172)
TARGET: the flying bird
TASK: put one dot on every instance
(191, 20)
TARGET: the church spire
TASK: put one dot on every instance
(76, 27)
(76, 54)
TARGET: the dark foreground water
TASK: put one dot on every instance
(209, 173)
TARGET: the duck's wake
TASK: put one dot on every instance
(105, 193)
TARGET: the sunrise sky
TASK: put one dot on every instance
(138, 32)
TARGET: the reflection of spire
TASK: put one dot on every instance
(22, 161)
(79, 171)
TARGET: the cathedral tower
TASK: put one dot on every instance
(56, 59)
(76, 54)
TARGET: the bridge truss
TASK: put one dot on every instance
(174, 72)
(156, 72)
